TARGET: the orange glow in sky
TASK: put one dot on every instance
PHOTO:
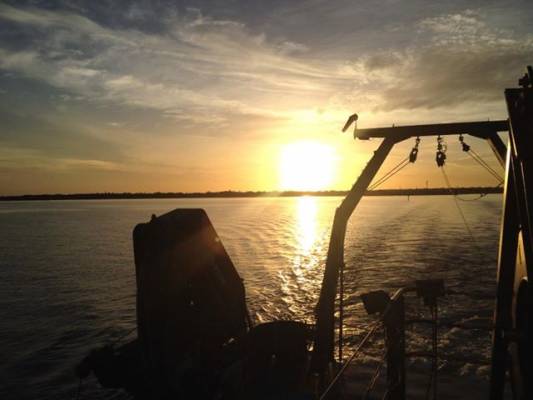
(171, 96)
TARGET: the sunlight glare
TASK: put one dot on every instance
(306, 166)
(307, 226)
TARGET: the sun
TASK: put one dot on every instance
(306, 166)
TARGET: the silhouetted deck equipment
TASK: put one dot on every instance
(195, 339)
(191, 302)
(324, 344)
(190, 298)
(392, 316)
(513, 335)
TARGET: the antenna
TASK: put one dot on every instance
(352, 119)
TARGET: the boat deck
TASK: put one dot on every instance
(451, 384)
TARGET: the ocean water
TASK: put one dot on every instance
(67, 280)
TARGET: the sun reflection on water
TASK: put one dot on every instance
(303, 284)
(307, 224)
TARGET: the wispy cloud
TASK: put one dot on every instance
(102, 85)
(462, 63)
(201, 63)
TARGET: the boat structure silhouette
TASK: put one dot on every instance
(196, 340)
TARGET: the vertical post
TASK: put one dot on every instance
(341, 311)
(505, 282)
(517, 217)
(323, 350)
(395, 341)
(520, 109)
(435, 341)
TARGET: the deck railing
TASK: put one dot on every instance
(392, 317)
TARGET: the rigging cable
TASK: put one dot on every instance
(411, 158)
(356, 352)
(374, 379)
(402, 164)
(476, 157)
(459, 208)
(440, 159)
(484, 164)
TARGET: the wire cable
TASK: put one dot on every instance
(479, 197)
(402, 164)
(373, 380)
(350, 359)
(484, 164)
(459, 208)
(390, 173)
(411, 158)
(476, 157)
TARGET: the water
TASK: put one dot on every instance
(67, 275)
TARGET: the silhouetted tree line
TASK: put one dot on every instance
(231, 193)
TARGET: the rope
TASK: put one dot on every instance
(479, 197)
(352, 357)
(402, 164)
(373, 381)
(375, 376)
(485, 164)
(411, 158)
(474, 199)
(476, 157)
(459, 208)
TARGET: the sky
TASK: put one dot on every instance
(99, 96)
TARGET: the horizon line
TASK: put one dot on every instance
(250, 193)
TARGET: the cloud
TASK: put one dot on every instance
(464, 62)
(53, 136)
(93, 164)
(149, 84)
(201, 63)
(207, 69)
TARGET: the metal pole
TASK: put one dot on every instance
(505, 283)
(435, 349)
(520, 108)
(516, 217)
(325, 323)
(341, 311)
(395, 341)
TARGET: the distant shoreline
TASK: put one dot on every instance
(233, 194)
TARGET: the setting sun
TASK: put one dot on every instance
(306, 166)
